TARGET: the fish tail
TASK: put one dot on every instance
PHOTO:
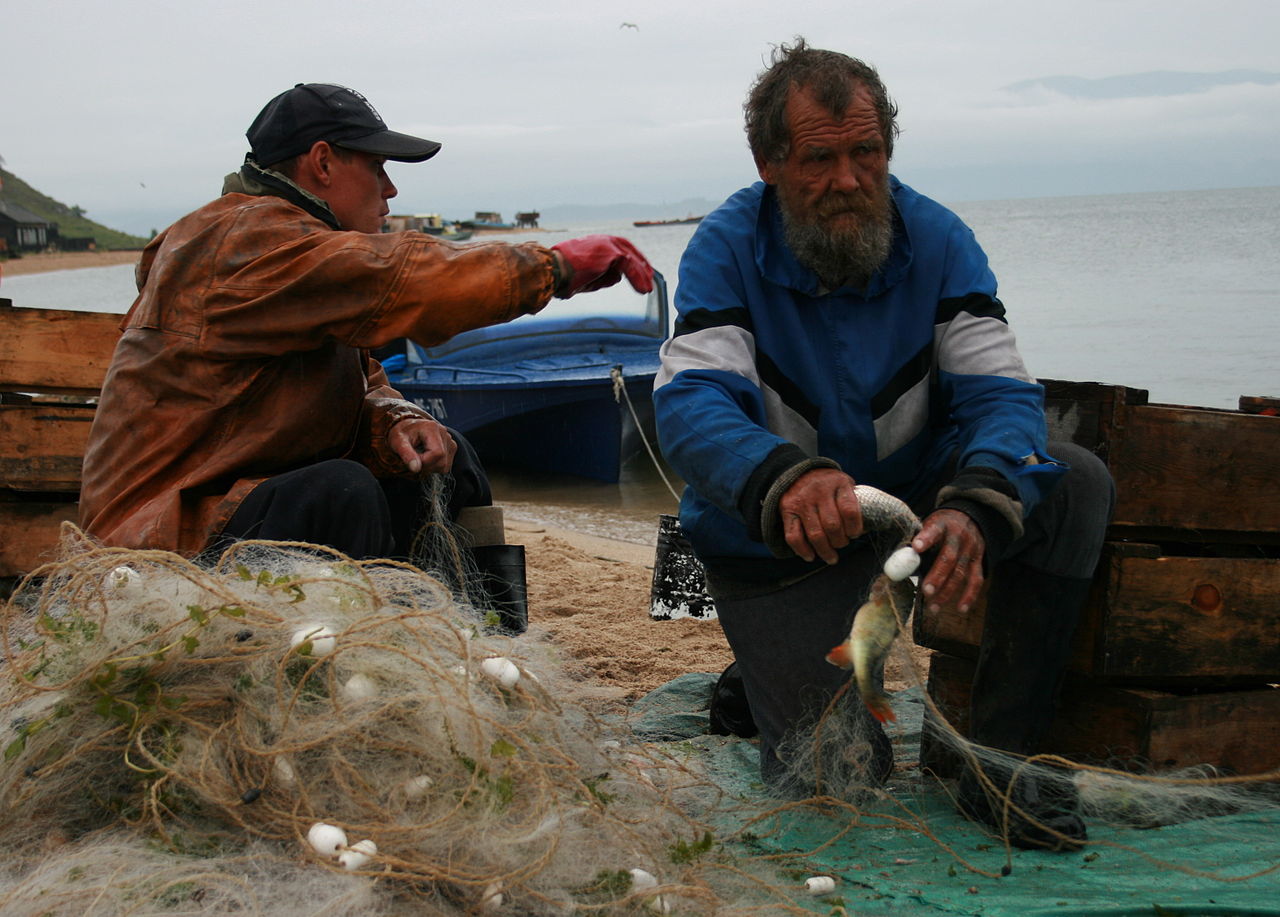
(840, 656)
(880, 709)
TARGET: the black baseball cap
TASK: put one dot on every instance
(294, 120)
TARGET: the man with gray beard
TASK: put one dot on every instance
(837, 327)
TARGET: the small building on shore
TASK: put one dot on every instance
(22, 230)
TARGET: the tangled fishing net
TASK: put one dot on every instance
(286, 730)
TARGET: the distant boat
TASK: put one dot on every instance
(539, 392)
(667, 222)
(485, 219)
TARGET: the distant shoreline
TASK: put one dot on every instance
(64, 261)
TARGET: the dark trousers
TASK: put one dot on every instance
(340, 504)
(780, 635)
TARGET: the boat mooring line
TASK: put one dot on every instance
(620, 393)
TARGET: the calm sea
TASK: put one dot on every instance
(1177, 293)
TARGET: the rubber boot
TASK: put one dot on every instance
(502, 579)
(729, 712)
(1026, 643)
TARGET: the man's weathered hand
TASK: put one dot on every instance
(424, 445)
(955, 578)
(820, 514)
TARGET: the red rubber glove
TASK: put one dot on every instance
(596, 262)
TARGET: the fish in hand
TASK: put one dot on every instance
(875, 625)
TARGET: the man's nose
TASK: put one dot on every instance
(389, 189)
(845, 175)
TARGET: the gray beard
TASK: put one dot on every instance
(842, 257)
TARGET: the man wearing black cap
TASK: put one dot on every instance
(242, 400)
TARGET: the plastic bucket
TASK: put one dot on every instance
(502, 580)
(679, 581)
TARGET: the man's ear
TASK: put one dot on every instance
(767, 171)
(316, 164)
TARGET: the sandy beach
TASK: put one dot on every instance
(64, 261)
(591, 596)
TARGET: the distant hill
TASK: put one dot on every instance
(587, 214)
(1139, 85)
(71, 221)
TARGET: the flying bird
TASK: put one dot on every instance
(629, 25)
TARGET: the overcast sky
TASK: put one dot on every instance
(135, 109)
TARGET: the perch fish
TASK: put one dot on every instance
(875, 625)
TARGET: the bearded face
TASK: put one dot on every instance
(833, 188)
(844, 237)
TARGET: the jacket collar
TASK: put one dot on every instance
(778, 263)
(253, 179)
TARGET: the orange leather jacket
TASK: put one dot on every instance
(244, 354)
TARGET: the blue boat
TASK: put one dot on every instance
(546, 391)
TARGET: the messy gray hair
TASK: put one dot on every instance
(830, 75)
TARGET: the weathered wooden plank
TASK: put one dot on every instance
(1194, 469)
(1238, 730)
(29, 533)
(949, 631)
(55, 350)
(1200, 618)
(1260, 404)
(1084, 412)
(1156, 620)
(1179, 470)
(42, 445)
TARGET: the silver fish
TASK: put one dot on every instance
(882, 512)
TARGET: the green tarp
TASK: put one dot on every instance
(1183, 869)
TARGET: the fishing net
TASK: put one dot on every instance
(159, 708)
(175, 731)
(1120, 800)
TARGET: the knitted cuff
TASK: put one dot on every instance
(771, 528)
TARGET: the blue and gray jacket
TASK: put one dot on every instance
(767, 374)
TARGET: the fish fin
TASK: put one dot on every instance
(840, 656)
(880, 709)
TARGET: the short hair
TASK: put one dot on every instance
(830, 75)
(289, 167)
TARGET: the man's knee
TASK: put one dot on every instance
(1089, 492)
(1088, 474)
(1065, 534)
(340, 479)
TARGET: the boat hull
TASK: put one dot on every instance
(576, 428)
(546, 392)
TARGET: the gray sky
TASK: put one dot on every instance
(135, 109)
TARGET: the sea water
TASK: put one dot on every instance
(1177, 293)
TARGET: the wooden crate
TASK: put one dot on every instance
(29, 532)
(1158, 620)
(55, 350)
(1237, 730)
(52, 364)
(42, 444)
(1184, 473)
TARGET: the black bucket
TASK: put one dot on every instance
(502, 577)
(679, 581)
